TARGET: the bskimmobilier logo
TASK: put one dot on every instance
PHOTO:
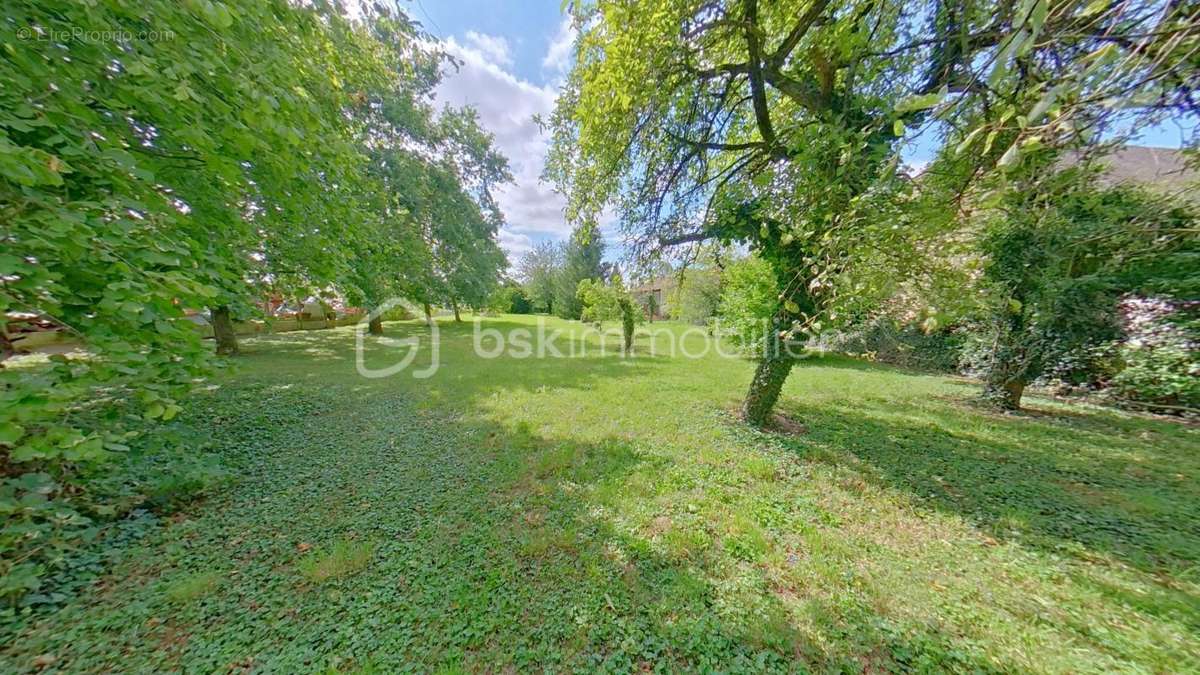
(409, 346)
(379, 356)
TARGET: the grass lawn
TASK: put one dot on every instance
(607, 513)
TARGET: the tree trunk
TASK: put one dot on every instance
(428, 315)
(7, 348)
(1004, 394)
(1012, 363)
(375, 325)
(454, 304)
(222, 323)
(764, 390)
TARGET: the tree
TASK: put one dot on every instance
(471, 258)
(1061, 253)
(440, 245)
(582, 259)
(142, 178)
(538, 271)
(779, 126)
(697, 297)
(609, 302)
(509, 298)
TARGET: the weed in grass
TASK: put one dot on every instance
(192, 587)
(759, 468)
(744, 539)
(684, 542)
(343, 559)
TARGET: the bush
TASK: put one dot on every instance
(1159, 376)
(510, 299)
(749, 298)
(599, 301)
(904, 345)
(1160, 358)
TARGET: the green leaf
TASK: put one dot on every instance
(920, 102)
(1043, 105)
(10, 433)
(1037, 16)
(966, 142)
(898, 128)
(1010, 157)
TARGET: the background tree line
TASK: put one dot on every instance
(552, 271)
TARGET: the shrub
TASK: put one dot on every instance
(749, 298)
(609, 302)
(1160, 358)
(510, 299)
(904, 345)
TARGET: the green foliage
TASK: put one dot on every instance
(749, 298)
(581, 260)
(1165, 376)
(433, 219)
(600, 301)
(342, 560)
(780, 125)
(193, 587)
(697, 298)
(217, 152)
(538, 271)
(609, 302)
(907, 346)
(510, 298)
(1159, 359)
(1061, 253)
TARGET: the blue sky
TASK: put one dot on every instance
(514, 55)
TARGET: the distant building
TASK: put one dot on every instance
(655, 296)
(1161, 169)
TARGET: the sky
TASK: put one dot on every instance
(514, 54)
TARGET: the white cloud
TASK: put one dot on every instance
(494, 47)
(558, 56)
(916, 167)
(515, 244)
(506, 105)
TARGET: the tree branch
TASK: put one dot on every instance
(753, 145)
(758, 93)
(664, 242)
(794, 36)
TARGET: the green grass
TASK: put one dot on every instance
(344, 559)
(607, 513)
(192, 587)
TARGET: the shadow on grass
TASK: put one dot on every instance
(648, 597)
(492, 548)
(1079, 484)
